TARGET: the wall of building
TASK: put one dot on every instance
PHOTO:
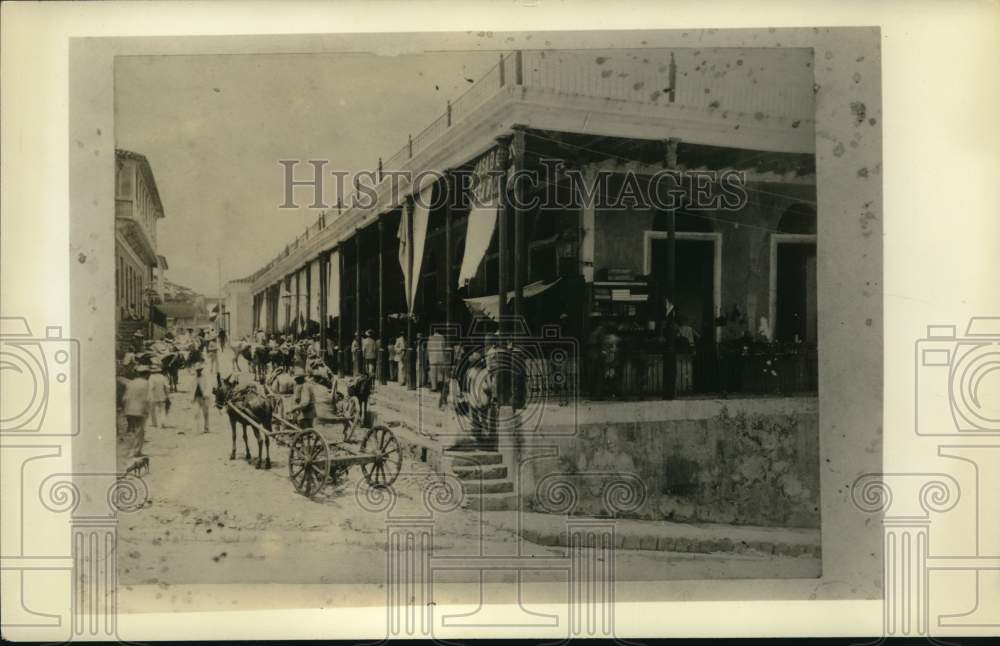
(620, 243)
(238, 305)
(132, 277)
(132, 186)
(752, 462)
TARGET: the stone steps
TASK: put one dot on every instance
(484, 476)
(480, 472)
(478, 487)
(504, 501)
(484, 479)
(472, 458)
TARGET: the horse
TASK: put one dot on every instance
(171, 364)
(241, 349)
(361, 387)
(260, 356)
(251, 403)
(194, 357)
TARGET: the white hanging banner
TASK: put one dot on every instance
(421, 216)
(282, 292)
(482, 223)
(314, 291)
(301, 311)
(403, 235)
(333, 285)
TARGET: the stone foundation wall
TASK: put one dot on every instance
(755, 463)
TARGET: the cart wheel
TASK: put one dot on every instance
(383, 470)
(309, 462)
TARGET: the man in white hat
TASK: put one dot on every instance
(136, 401)
(202, 391)
(158, 388)
(212, 350)
(369, 351)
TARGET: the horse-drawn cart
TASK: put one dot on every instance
(316, 459)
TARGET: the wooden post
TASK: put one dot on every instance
(670, 327)
(449, 289)
(448, 112)
(518, 68)
(504, 266)
(672, 79)
(520, 257)
(323, 260)
(342, 352)
(502, 72)
(383, 368)
(411, 363)
(357, 299)
(298, 302)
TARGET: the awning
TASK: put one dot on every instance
(482, 222)
(490, 305)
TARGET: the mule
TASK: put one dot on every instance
(253, 404)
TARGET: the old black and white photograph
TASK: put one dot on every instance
(551, 284)
(383, 321)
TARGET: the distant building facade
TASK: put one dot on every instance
(138, 267)
(237, 308)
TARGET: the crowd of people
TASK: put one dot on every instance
(148, 374)
(463, 378)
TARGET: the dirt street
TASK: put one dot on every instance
(210, 519)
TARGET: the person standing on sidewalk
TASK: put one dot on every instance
(201, 395)
(400, 348)
(393, 366)
(136, 400)
(158, 388)
(479, 389)
(212, 348)
(437, 357)
(370, 352)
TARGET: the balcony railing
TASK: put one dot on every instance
(584, 74)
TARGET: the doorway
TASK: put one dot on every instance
(793, 277)
(697, 294)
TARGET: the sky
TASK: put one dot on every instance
(214, 127)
